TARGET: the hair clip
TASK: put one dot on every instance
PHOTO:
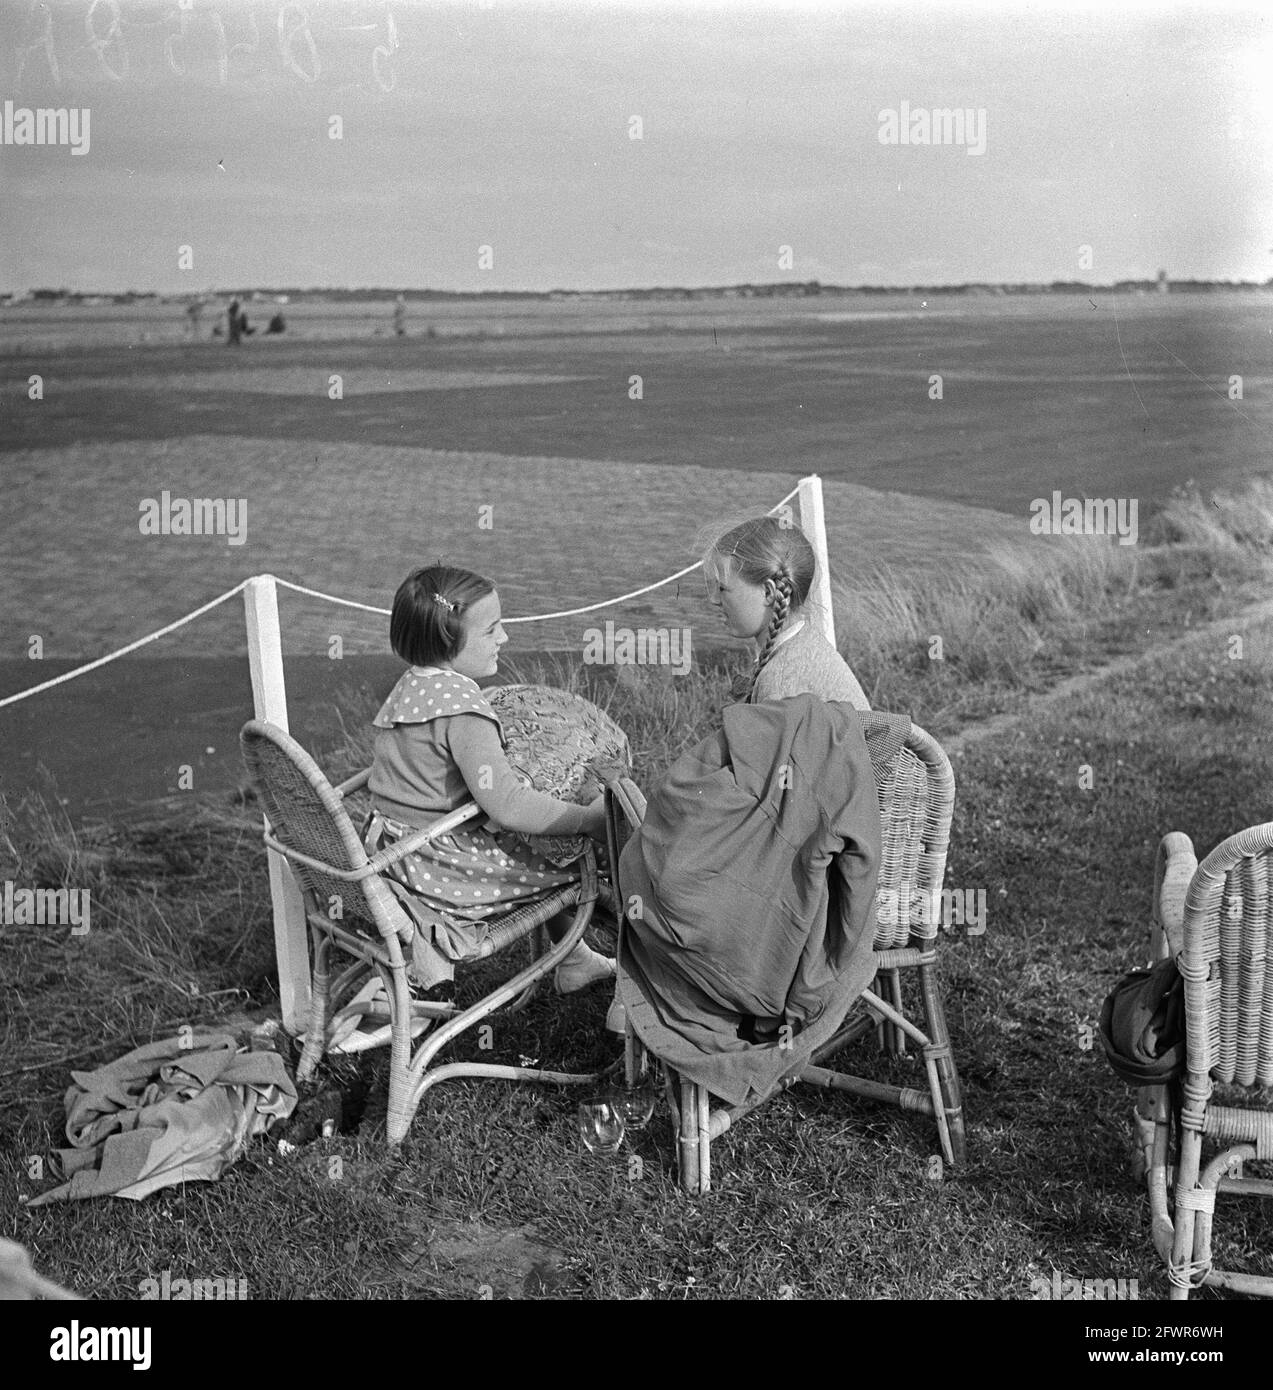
(445, 603)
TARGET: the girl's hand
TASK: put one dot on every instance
(595, 818)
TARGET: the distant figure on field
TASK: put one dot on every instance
(277, 325)
(400, 316)
(235, 326)
(194, 312)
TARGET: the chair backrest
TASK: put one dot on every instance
(1227, 960)
(917, 801)
(307, 815)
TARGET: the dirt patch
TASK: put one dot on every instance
(485, 1261)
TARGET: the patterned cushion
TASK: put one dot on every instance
(561, 744)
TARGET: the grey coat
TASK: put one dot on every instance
(750, 892)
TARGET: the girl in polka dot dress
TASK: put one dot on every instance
(440, 744)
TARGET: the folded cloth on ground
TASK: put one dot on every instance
(178, 1110)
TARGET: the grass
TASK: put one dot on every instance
(817, 1195)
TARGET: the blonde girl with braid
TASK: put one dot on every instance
(759, 574)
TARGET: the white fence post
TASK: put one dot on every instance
(269, 698)
(813, 523)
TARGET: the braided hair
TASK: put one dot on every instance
(785, 586)
(766, 549)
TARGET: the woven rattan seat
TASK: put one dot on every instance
(352, 909)
(1216, 920)
(917, 798)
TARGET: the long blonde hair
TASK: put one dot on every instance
(767, 548)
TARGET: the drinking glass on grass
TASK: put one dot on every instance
(601, 1126)
(634, 1104)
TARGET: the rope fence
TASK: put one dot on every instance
(344, 603)
(124, 651)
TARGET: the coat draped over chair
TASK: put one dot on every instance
(750, 893)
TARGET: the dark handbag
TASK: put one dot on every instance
(1143, 1025)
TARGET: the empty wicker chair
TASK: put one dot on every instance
(917, 797)
(310, 825)
(1216, 919)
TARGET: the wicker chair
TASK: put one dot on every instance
(1216, 919)
(917, 800)
(310, 825)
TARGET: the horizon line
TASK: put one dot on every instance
(810, 287)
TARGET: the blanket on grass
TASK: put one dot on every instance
(178, 1110)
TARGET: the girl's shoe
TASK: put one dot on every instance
(441, 993)
(616, 1017)
(581, 968)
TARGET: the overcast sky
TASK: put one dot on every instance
(1145, 134)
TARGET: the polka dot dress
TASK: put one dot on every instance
(458, 881)
(429, 692)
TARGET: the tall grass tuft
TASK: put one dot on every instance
(986, 626)
(913, 643)
(1218, 520)
(42, 846)
(179, 927)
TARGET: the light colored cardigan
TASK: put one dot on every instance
(808, 664)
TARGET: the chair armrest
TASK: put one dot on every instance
(379, 862)
(354, 783)
(623, 793)
(409, 843)
(1173, 872)
(625, 810)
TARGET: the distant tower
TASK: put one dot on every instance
(1162, 282)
